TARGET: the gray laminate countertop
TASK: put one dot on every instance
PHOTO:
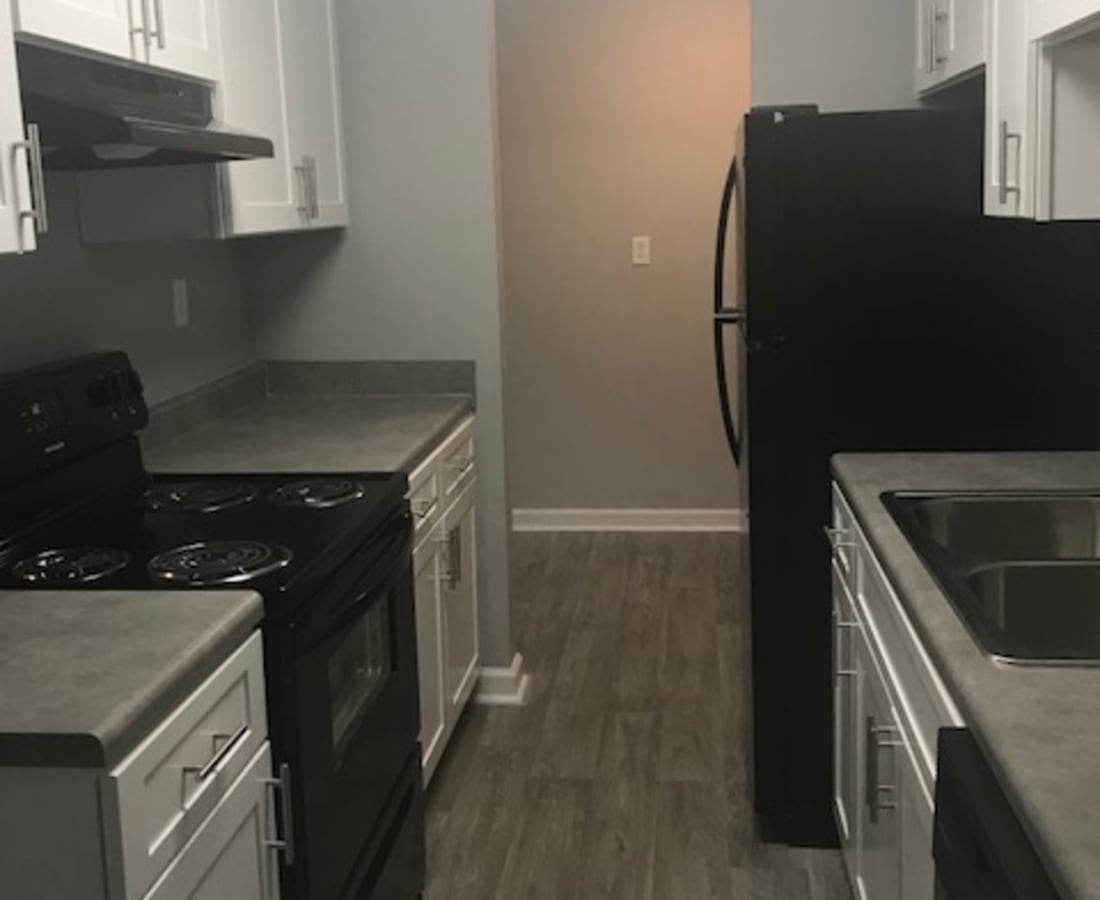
(315, 433)
(1039, 727)
(86, 675)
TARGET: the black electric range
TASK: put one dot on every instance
(331, 556)
(281, 535)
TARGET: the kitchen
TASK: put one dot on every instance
(475, 198)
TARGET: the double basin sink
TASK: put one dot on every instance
(1022, 570)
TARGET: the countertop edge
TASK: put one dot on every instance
(117, 736)
(873, 517)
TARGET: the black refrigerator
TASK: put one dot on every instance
(874, 308)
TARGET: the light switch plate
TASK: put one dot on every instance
(641, 250)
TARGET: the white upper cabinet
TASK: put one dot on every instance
(313, 94)
(264, 195)
(950, 40)
(105, 26)
(182, 35)
(18, 156)
(1048, 17)
(1010, 138)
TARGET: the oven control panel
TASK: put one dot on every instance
(59, 411)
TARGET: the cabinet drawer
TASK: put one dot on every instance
(167, 787)
(458, 460)
(843, 538)
(424, 501)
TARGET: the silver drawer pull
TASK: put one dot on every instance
(424, 509)
(462, 467)
(839, 537)
(220, 754)
(285, 844)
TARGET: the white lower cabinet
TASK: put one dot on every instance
(228, 856)
(445, 569)
(879, 876)
(459, 589)
(188, 815)
(888, 707)
(429, 652)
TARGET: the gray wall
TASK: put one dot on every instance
(416, 275)
(67, 299)
(842, 54)
(617, 118)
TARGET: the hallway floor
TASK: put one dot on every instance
(625, 775)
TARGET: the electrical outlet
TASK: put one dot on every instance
(641, 250)
(181, 308)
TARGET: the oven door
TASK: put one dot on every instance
(357, 710)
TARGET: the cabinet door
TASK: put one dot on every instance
(105, 26)
(227, 857)
(16, 230)
(183, 36)
(313, 87)
(1010, 177)
(1050, 16)
(961, 35)
(845, 720)
(880, 866)
(263, 195)
(459, 582)
(429, 652)
(950, 40)
(916, 817)
(928, 64)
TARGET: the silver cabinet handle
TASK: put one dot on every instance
(309, 208)
(220, 753)
(874, 790)
(839, 538)
(143, 28)
(462, 468)
(160, 33)
(37, 212)
(1007, 136)
(939, 17)
(314, 198)
(301, 191)
(423, 509)
(451, 543)
(284, 844)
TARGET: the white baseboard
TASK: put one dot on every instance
(629, 520)
(503, 685)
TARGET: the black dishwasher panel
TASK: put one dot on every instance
(981, 850)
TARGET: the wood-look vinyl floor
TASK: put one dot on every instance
(624, 777)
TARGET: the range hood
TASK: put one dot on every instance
(94, 114)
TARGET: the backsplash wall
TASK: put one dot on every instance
(66, 299)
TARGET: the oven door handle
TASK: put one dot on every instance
(366, 597)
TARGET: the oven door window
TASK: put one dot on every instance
(358, 668)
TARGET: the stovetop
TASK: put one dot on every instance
(281, 535)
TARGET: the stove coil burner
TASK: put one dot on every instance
(200, 496)
(318, 493)
(71, 565)
(219, 562)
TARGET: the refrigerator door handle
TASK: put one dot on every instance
(724, 315)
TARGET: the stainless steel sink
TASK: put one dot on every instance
(1021, 570)
(1041, 612)
(1013, 527)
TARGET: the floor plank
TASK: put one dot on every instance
(625, 776)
